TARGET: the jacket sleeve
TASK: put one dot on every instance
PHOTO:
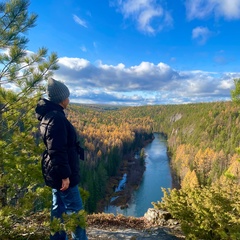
(56, 140)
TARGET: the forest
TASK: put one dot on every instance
(203, 146)
(203, 142)
(109, 138)
(202, 138)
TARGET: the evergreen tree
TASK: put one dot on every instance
(235, 93)
(20, 178)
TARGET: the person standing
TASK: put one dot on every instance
(60, 161)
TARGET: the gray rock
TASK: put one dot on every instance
(158, 217)
(130, 234)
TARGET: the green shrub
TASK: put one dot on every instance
(211, 212)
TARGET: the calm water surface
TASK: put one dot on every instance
(156, 175)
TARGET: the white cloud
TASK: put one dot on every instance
(201, 34)
(229, 9)
(226, 84)
(149, 15)
(143, 84)
(146, 83)
(73, 63)
(79, 21)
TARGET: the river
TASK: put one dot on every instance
(156, 175)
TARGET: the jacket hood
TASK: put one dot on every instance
(45, 106)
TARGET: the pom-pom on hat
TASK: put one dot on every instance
(57, 91)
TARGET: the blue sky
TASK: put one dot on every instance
(139, 52)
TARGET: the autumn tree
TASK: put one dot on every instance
(190, 180)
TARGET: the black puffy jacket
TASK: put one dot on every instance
(60, 159)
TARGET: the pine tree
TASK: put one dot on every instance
(20, 179)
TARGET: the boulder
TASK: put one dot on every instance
(157, 217)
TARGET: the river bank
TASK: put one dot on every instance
(134, 169)
(122, 199)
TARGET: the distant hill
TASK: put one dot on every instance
(99, 107)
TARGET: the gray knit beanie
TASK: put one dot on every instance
(57, 91)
